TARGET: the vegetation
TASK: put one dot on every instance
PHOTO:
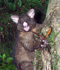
(6, 63)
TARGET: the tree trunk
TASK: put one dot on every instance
(53, 19)
(46, 59)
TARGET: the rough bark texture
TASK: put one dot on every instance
(53, 20)
(46, 59)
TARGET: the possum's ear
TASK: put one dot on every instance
(15, 18)
(31, 13)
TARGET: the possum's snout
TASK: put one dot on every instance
(26, 27)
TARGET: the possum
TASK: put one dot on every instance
(25, 44)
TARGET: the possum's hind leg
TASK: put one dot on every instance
(27, 66)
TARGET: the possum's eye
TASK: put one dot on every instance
(26, 26)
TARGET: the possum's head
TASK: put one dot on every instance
(25, 22)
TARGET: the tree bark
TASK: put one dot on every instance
(53, 19)
(46, 59)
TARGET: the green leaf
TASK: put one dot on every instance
(3, 56)
(9, 59)
(19, 3)
(1, 28)
(4, 65)
(14, 7)
(0, 56)
(10, 67)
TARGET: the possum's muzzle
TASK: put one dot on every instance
(26, 27)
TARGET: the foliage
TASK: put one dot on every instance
(6, 63)
(24, 5)
(1, 28)
(6, 27)
(33, 3)
(36, 4)
(11, 4)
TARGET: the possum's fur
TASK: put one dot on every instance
(25, 44)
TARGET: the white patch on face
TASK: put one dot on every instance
(26, 27)
(25, 24)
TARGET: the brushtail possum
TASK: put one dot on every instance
(25, 44)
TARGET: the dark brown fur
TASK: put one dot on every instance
(25, 44)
